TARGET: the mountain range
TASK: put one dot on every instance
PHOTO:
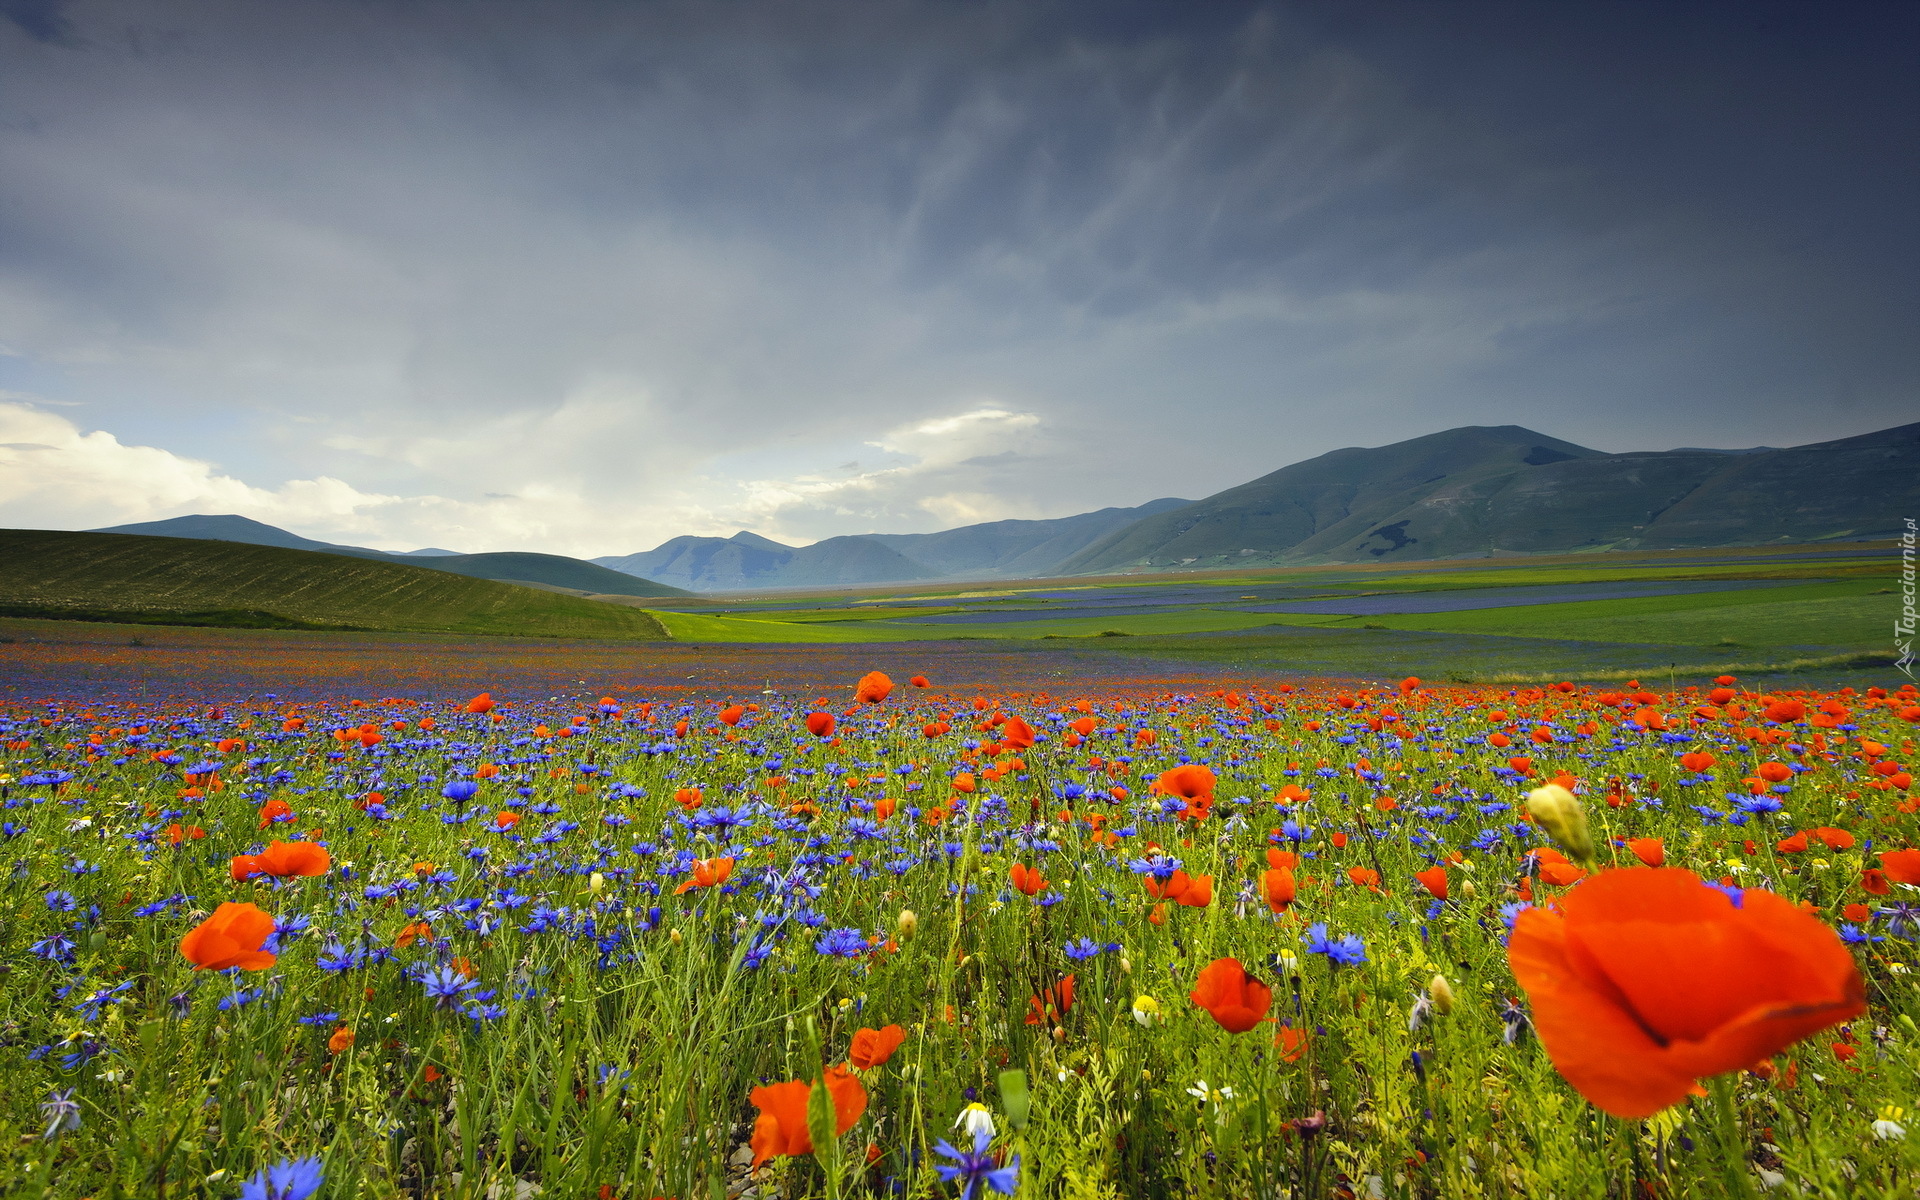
(1483, 490)
(551, 571)
(994, 550)
(1467, 492)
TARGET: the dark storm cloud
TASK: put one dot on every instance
(611, 272)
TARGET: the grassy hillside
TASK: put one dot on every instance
(510, 566)
(101, 576)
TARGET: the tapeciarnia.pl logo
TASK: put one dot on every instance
(1904, 624)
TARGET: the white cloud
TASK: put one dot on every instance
(55, 475)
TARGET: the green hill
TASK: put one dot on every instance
(106, 576)
(519, 566)
(1507, 490)
(506, 566)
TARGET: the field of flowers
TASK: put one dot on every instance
(920, 940)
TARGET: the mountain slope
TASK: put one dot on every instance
(1015, 549)
(747, 561)
(48, 572)
(1508, 490)
(509, 566)
(1342, 490)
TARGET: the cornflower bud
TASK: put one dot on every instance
(1565, 821)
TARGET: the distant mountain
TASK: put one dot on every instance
(994, 550)
(506, 567)
(228, 528)
(1015, 549)
(747, 561)
(429, 552)
(1505, 489)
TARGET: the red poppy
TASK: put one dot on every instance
(1652, 980)
(177, 833)
(1192, 891)
(872, 688)
(707, 872)
(872, 1047)
(782, 1126)
(1901, 866)
(731, 714)
(1235, 1000)
(920, 681)
(505, 820)
(231, 937)
(1277, 888)
(282, 859)
(820, 724)
(1029, 882)
(1649, 850)
(1052, 1004)
(1434, 879)
(483, 703)
(1188, 782)
(275, 810)
(1291, 1043)
(1017, 734)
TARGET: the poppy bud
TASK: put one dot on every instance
(1441, 992)
(1126, 965)
(907, 923)
(1565, 821)
(1468, 890)
(674, 937)
(596, 882)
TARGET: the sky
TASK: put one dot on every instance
(583, 276)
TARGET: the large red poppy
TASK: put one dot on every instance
(1235, 1000)
(1652, 979)
(231, 937)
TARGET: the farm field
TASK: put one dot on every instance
(103, 577)
(830, 934)
(1811, 612)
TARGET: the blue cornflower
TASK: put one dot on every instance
(1759, 806)
(62, 1112)
(1348, 951)
(444, 986)
(1732, 891)
(1083, 949)
(847, 943)
(977, 1167)
(1853, 935)
(58, 948)
(461, 790)
(295, 1179)
(1903, 920)
(60, 901)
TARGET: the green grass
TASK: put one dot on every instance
(167, 580)
(1842, 614)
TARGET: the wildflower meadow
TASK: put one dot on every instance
(887, 939)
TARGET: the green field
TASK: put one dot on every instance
(1836, 622)
(149, 580)
(1821, 614)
